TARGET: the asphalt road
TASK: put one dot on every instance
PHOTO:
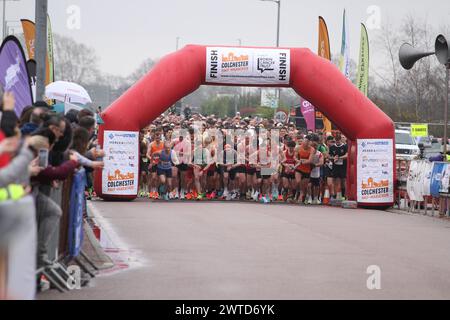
(253, 251)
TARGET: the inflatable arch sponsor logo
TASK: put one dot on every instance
(248, 66)
(375, 171)
(121, 171)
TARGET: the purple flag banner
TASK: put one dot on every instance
(309, 114)
(14, 73)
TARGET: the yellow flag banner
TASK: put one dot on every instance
(419, 130)
(29, 31)
(324, 52)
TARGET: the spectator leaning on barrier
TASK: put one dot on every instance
(47, 210)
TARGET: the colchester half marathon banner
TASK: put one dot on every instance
(375, 171)
(14, 73)
(121, 171)
(248, 66)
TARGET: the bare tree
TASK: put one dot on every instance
(75, 61)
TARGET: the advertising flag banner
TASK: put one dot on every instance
(324, 52)
(14, 73)
(121, 171)
(375, 172)
(29, 31)
(50, 58)
(363, 66)
(248, 66)
(309, 114)
(344, 58)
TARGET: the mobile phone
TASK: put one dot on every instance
(43, 158)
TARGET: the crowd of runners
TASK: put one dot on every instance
(206, 157)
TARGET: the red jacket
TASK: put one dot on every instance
(4, 159)
(60, 173)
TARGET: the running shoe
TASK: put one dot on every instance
(213, 195)
(201, 196)
(189, 196)
(280, 197)
(182, 195)
(166, 196)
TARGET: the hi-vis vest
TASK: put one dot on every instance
(13, 192)
(448, 157)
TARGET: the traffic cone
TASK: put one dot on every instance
(326, 197)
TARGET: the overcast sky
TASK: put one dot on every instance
(124, 33)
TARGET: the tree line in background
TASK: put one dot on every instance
(406, 96)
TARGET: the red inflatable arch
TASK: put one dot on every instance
(314, 78)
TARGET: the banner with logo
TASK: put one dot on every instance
(121, 171)
(14, 73)
(416, 182)
(308, 113)
(363, 66)
(439, 178)
(344, 58)
(76, 210)
(248, 66)
(29, 31)
(50, 58)
(324, 52)
(375, 171)
(419, 130)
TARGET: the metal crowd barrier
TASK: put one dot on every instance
(66, 244)
(430, 206)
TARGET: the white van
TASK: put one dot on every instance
(405, 145)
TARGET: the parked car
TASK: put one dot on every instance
(405, 145)
(435, 149)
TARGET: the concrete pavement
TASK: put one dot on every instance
(253, 251)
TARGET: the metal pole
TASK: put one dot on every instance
(278, 23)
(41, 47)
(278, 44)
(447, 83)
(4, 19)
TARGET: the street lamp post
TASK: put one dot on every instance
(278, 2)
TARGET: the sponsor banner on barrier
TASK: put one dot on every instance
(439, 178)
(121, 171)
(419, 179)
(248, 66)
(76, 211)
(375, 171)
